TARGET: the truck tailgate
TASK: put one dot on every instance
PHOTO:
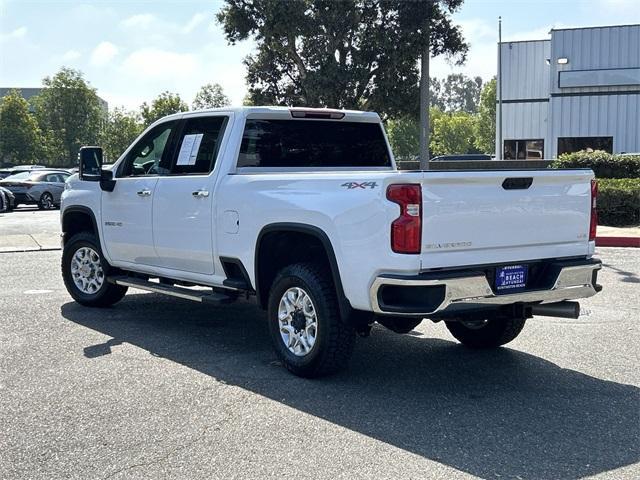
(486, 217)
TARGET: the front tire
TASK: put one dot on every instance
(488, 333)
(85, 270)
(309, 336)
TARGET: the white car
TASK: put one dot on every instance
(304, 210)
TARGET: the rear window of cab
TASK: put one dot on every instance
(312, 143)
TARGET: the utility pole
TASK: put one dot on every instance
(424, 104)
(499, 148)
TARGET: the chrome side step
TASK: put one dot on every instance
(204, 296)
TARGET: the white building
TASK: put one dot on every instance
(578, 90)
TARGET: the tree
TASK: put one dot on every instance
(404, 135)
(453, 133)
(20, 138)
(119, 131)
(341, 54)
(210, 96)
(485, 128)
(164, 104)
(459, 93)
(69, 114)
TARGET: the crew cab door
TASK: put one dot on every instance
(127, 210)
(183, 203)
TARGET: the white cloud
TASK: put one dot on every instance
(70, 55)
(103, 54)
(142, 20)
(154, 63)
(20, 32)
(194, 22)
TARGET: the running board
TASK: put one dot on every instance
(203, 296)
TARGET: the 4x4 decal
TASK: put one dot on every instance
(363, 185)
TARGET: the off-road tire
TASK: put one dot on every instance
(496, 332)
(108, 294)
(336, 338)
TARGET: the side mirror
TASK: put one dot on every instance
(90, 163)
(107, 183)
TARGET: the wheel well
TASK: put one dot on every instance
(278, 248)
(77, 221)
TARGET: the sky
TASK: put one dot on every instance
(132, 50)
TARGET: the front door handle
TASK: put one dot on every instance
(144, 193)
(200, 193)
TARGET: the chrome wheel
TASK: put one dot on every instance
(298, 321)
(86, 270)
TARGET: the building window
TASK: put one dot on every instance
(523, 149)
(576, 144)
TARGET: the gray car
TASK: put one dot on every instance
(41, 187)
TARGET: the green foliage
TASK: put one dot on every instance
(119, 131)
(485, 124)
(619, 202)
(603, 164)
(404, 135)
(164, 104)
(341, 54)
(69, 114)
(20, 138)
(210, 96)
(456, 93)
(453, 133)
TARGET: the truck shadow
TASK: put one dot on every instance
(492, 414)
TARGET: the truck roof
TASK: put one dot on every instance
(284, 113)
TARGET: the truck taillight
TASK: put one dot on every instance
(406, 230)
(594, 212)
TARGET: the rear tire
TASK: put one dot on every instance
(46, 201)
(489, 333)
(85, 271)
(309, 336)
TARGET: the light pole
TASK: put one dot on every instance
(424, 105)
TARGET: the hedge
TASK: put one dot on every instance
(619, 202)
(603, 164)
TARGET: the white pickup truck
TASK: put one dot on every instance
(304, 210)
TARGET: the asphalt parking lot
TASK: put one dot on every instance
(162, 388)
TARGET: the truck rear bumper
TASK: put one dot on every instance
(450, 292)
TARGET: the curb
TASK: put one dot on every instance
(633, 242)
(30, 249)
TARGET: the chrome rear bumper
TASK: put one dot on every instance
(463, 291)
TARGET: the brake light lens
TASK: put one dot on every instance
(406, 230)
(593, 227)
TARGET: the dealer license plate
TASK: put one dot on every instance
(512, 277)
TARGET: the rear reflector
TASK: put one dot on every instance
(406, 230)
(593, 227)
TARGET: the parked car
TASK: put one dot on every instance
(7, 200)
(305, 211)
(7, 172)
(463, 157)
(41, 187)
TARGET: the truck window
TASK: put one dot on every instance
(199, 145)
(312, 143)
(149, 156)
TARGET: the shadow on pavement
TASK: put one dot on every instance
(500, 413)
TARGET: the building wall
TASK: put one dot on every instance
(535, 106)
(616, 116)
(594, 49)
(525, 92)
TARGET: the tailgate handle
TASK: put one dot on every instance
(518, 183)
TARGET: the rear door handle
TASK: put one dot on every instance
(200, 193)
(144, 193)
